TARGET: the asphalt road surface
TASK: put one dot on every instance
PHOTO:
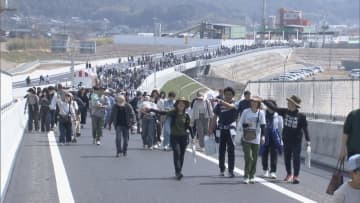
(94, 174)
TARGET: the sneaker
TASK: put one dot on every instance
(62, 144)
(266, 173)
(124, 153)
(98, 142)
(273, 175)
(179, 176)
(166, 148)
(222, 174)
(78, 134)
(288, 178)
(231, 175)
(252, 180)
(246, 180)
(296, 180)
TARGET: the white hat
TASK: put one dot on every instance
(107, 91)
(354, 162)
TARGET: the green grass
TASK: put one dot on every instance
(183, 87)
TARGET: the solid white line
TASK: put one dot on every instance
(260, 180)
(62, 182)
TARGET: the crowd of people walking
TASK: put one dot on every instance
(168, 122)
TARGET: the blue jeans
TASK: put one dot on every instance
(166, 132)
(122, 131)
(65, 129)
(148, 131)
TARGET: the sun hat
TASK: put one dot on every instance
(182, 99)
(295, 100)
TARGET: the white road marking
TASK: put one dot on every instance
(62, 182)
(260, 180)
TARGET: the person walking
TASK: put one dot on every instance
(66, 117)
(245, 103)
(179, 137)
(148, 123)
(45, 111)
(123, 117)
(168, 106)
(252, 121)
(350, 143)
(98, 105)
(32, 104)
(52, 106)
(226, 111)
(84, 97)
(295, 125)
(273, 141)
(202, 112)
(135, 103)
(110, 102)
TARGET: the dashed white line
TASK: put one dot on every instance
(261, 181)
(62, 182)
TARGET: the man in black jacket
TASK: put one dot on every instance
(295, 124)
(123, 117)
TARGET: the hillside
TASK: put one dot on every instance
(181, 13)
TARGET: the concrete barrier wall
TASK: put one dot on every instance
(325, 142)
(6, 89)
(13, 123)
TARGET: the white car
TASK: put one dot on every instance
(355, 75)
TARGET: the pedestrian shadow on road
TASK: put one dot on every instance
(98, 157)
(170, 178)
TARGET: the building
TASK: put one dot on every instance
(222, 31)
(288, 18)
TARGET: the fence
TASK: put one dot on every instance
(327, 99)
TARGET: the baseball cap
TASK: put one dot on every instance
(354, 162)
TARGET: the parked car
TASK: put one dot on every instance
(355, 75)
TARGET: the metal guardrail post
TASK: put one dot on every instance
(331, 98)
(352, 94)
(313, 98)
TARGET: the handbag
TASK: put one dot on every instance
(337, 178)
(250, 134)
(65, 118)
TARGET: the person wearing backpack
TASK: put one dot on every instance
(179, 138)
(273, 141)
